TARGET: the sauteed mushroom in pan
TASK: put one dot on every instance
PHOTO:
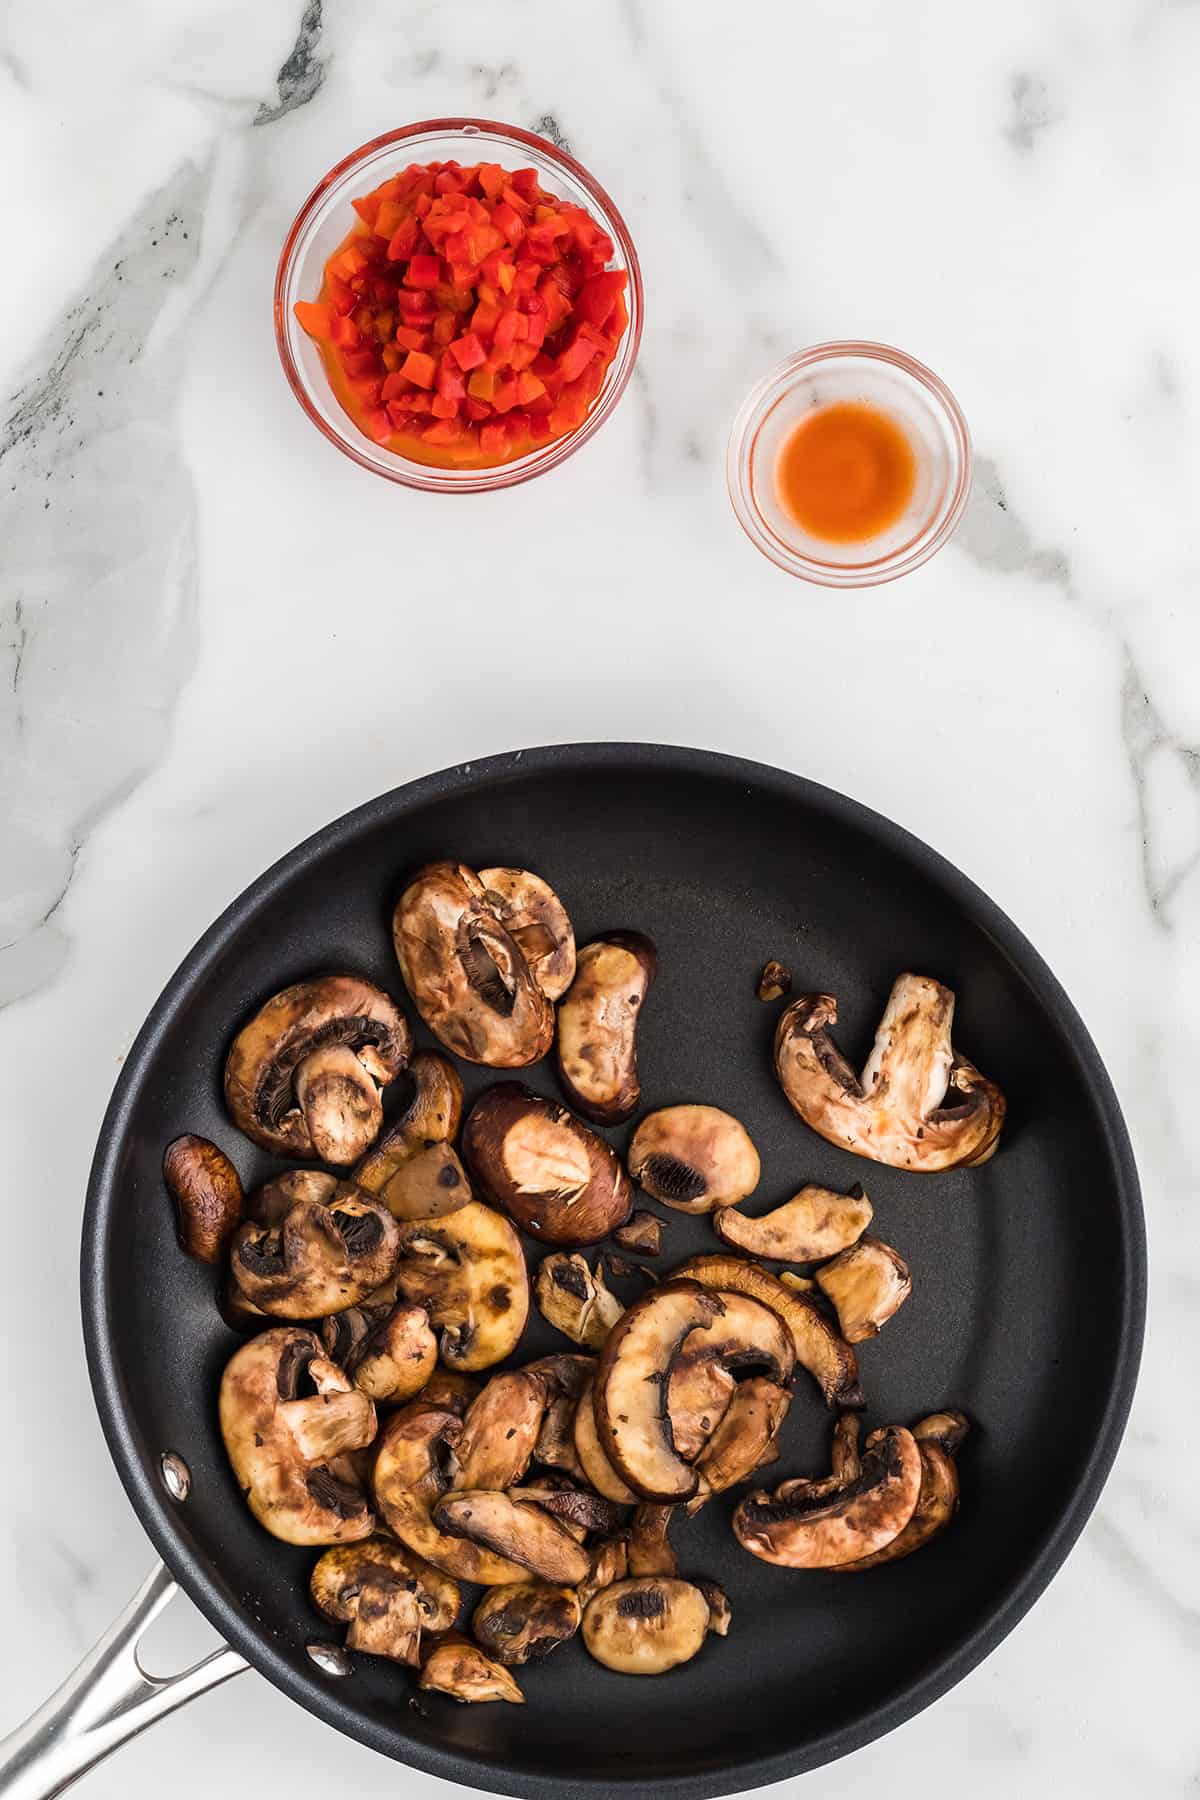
(459, 1668)
(396, 1357)
(207, 1192)
(646, 1625)
(413, 1168)
(536, 920)
(413, 1469)
(918, 1104)
(525, 1621)
(643, 1233)
(631, 1388)
(312, 1246)
(866, 1285)
(938, 1439)
(826, 1355)
(337, 1579)
(817, 1525)
(514, 1530)
(597, 1026)
(468, 1270)
(302, 1078)
(576, 1300)
(560, 1181)
(814, 1224)
(500, 1430)
(694, 1158)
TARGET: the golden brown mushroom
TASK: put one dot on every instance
(631, 1388)
(593, 1459)
(515, 1531)
(819, 1528)
(413, 1168)
(866, 1284)
(642, 1233)
(598, 1020)
(337, 1580)
(546, 1169)
(575, 1299)
(819, 1348)
(536, 920)
(397, 1356)
(412, 1471)
(646, 1625)
(312, 1246)
(814, 1224)
(207, 1192)
(500, 1430)
(743, 1439)
(694, 1158)
(525, 1621)
(459, 1668)
(468, 1269)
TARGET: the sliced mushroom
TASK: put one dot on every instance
(821, 1530)
(413, 1168)
(469, 1270)
(799, 1284)
(566, 1377)
(937, 1500)
(342, 1334)
(631, 1387)
(577, 1508)
(819, 1348)
(646, 1625)
(597, 1026)
(449, 1391)
(207, 1192)
(536, 920)
(288, 1087)
(500, 1431)
(946, 1429)
(593, 1459)
(387, 1621)
(643, 1233)
(610, 1562)
(467, 975)
(287, 1448)
(743, 1440)
(694, 1158)
(917, 1105)
(650, 1551)
(866, 1284)
(525, 1621)
(299, 1257)
(337, 1580)
(555, 1177)
(515, 1531)
(815, 1224)
(460, 1669)
(575, 1299)
(395, 1360)
(749, 1336)
(775, 980)
(412, 1471)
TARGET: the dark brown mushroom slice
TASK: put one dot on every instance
(338, 1576)
(742, 1441)
(288, 1418)
(947, 1429)
(287, 1051)
(610, 1562)
(646, 1625)
(630, 1392)
(937, 1503)
(500, 1431)
(413, 1469)
(699, 1390)
(566, 1377)
(450, 1391)
(823, 1530)
(387, 1621)
(866, 1285)
(460, 1669)
(515, 1531)
(816, 1223)
(536, 920)
(593, 1460)
(546, 1169)
(642, 1233)
(466, 973)
(820, 1349)
(207, 1192)
(397, 1357)
(598, 1022)
(650, 1551)
(774, 981)
(413, 1168)
(918, 1104)
(694, 1158)
(574, 1298)
(306, 1258)
(720, 1613)
(525, 1621)
(574, 1507)
(469, 1270)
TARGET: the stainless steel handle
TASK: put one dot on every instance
(107, 1700)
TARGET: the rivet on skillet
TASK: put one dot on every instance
(177, 1477)
(331, 1659)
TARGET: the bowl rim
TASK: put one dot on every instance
(432, 478)
(751, 417)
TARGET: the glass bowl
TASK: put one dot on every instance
(893, 383)
(323, 222)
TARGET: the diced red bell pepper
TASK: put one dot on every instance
(419, 368)
(445, 431)
(416, 308)
(341, 295)
(509, 221)
(423, 271)
(444, 328)
(492, 179)
(476, 409)
(345, 334)
(394, 386)
(369, 390)
(506, 332)
(443, 407)
(484, 319)
(315, 318)
(539, 426)
(505, 396)
(450, 384)
(413, 337)
(467, 351)
(527, 182)
(403, 240)
(596, 299)
(367, 208)
(529, 387)
(491, 439)
(575, 358)
(360, 362)
(377, 424)
(482, 384)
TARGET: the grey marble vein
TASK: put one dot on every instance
(302, 71)
(996, 537)
(547, 126)
(1034, 109)
(1166, 780)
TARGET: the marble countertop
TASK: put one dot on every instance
(189, 570)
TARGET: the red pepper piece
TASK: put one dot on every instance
(419, 368)
(468, 352)
(423, 272)
(315, 318)
(491, 438)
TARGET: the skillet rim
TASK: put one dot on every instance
(964, 1653)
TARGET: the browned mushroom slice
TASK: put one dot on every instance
(775, 980)
(597, 1468)
(301, 1258)
(387, 1621)
(819, 1348)
(630, 1392)
(742, 1441)
(467, 975)
(643, 1233)
(699, 1389)
(413, 1168)
(577, 1508)
(469, 1270)
(525, 1621)
(946, 1429)
(815, 1224)
(610, 1562)
(821, 1530)
(937, 1503)
(694, 1158)
(597, 1026)
(500, 1430)
(337, 1581)
(555, 1177)
(288, 1418)
(650, 1551)
(565, 1376)
(575, 1299)
(396, 1358)
(289, 1086)
(866, 1284)
(720, 1613)
(411, 1472)
(799, 1284)
(460, 1669)
(518, 1532)
(646, 1625)
(451, 1392)
(343, 1335)
(536, 919)
(917, 1105)
(207, 1193)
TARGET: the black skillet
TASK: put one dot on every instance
(1029, 1274)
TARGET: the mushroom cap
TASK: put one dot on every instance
(819, 1347)
(500, 1430)
(743, 1438)
(466, 974)
(575, 1299)
(918, 1105)
(397, 1356)
(598, 1019)
(937, 1503)
(208, 1197)
(560, 1181)
(525, 1620)
(592, 1456)
(534, 916)
(468, 1269)
(460, 1669)
(412, 1471)
(819, 1529)
(310, 1017)
(413, 1168)
(304, 1258)
(646, 1625)
(289, 1452)
(694, 1158)
(338, 1576)
(866, 1284)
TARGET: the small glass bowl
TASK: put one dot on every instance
(326, 217)
(893, 383)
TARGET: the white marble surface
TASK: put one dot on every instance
(189, 571)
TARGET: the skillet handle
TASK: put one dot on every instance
(108, 1699)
